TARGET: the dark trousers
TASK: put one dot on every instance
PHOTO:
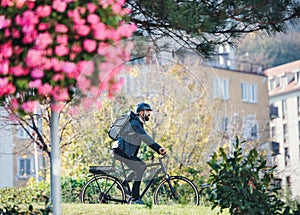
(135, 164)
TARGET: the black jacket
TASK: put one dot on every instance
(132, 136)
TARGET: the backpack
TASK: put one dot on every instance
(118, 125)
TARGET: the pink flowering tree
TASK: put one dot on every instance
(51, 50)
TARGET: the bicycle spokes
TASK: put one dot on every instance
(176, 190)
(104, 190)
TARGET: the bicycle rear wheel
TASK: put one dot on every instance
(103, 189)
(176, 190)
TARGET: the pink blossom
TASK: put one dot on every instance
(86, 68)
(5, 3)
(4, 22)
(43, 26)
(100, 31)
(28, 21)
(43, 40)
(76, 48)
(61, 50)
(34, 58)
(45, 89)
(58, 77)
(37, 73)
(82, 10)
(29, 106)
(29, 37)
(60, 94)
(57, 107)
(68, 67)
(102, 46)
(43, 10)
(14, 104)
(20, 3)
(116, 8)
(35, 84)
(19, 71)
(6, 87)
(7, 33)
(30, 4)
(91, 7)
(89, 45)
(6, 49)
(56, 64)
(59, 5)
(83, 83)
(4, 66)
(93, 18)
(60, 28)
(15, 33)
(82, 30)
(62, 39)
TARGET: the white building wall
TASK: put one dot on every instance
(6, 155)
(293, 169)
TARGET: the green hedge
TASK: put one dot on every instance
(28, 200)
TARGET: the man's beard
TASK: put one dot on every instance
(146, 118)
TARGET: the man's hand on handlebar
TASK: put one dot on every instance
(162, 151)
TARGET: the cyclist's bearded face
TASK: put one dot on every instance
(146, 115)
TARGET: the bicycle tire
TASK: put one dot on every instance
(103, 189)
(184, 192)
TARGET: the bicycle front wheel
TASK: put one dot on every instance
(103, 189)
(176, 190)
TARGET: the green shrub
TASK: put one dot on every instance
(28, 200)
(71, 188)
(242, 183)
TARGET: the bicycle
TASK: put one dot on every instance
(106, 188)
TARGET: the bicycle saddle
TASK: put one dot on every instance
(101, 169)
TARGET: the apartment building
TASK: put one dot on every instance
(239, 99)
(19, 159)
(284, 98)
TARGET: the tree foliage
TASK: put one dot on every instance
(269, 52)
(201, 25)
(53, 49)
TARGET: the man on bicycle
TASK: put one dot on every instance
(127, 146)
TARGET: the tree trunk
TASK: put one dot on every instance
(55, 164)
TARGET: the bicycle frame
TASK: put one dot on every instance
(152, 179)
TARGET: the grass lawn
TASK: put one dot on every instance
(85, 209)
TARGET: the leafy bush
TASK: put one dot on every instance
(71, 188)
(28, 200)
(242, 183)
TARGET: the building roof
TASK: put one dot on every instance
(283, 69)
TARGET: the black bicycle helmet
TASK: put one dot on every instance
(143, 106)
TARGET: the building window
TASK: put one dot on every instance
(250, 128)
(272, 84)
(288, 181)
(284, 108)
(298, 105)
(22, 133)
(273, 133)
(220, 88)
(297, 77)
(299, 130)
(285, 133)
(26, 167)
(249, 92)
(225, 123)
(286, 156)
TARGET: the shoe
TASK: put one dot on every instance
(137, 202)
